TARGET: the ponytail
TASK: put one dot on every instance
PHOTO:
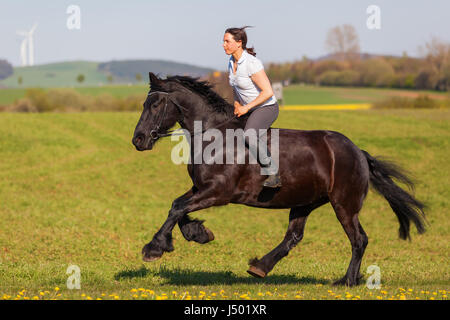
(251, 51)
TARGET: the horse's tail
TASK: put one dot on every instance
(404, 205)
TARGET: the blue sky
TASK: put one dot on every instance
(192, 31)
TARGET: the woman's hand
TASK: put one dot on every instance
(239, 109)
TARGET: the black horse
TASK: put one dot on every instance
(317, 167)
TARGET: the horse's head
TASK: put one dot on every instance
(159, 115)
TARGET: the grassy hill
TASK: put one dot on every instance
(126, 70)
(64, 74)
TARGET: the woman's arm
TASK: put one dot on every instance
(262, 82)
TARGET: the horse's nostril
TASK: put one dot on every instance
(138, 140)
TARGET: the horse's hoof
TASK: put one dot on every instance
(257, 273)
(344, 282)
(150, 258)
(150, 253)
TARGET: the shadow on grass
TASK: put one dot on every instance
(189, 277)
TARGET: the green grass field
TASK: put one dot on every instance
(298, 95)
(293, 95)
(74, 191)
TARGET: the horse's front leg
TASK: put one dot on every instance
(189, 202)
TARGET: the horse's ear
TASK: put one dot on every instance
(153, 79)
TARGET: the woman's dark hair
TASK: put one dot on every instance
(239, 34)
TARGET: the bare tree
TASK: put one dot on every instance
(437, 56)
(343, 41)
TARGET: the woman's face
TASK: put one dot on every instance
(229, 44)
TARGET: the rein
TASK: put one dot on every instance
(155, 134)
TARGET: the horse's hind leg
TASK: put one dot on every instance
(348, 218)
(297, 221)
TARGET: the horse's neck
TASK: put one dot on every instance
(209, 118)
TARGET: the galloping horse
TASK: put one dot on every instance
(317, 167)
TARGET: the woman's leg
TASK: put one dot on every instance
(262, 118)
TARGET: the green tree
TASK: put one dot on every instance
(80, 78)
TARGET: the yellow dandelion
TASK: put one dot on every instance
(56, 289)
(133, 290)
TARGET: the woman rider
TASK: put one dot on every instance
(252, 93)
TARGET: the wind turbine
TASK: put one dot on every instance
(27, 43)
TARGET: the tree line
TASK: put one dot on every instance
(347, 66)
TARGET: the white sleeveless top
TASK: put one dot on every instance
(245, 89)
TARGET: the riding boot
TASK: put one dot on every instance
(274, 179)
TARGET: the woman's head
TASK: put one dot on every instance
(236, 38)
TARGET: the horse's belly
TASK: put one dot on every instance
(303, 183)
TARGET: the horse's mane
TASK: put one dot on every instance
(204, 89)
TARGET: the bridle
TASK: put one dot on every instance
(155, 134)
